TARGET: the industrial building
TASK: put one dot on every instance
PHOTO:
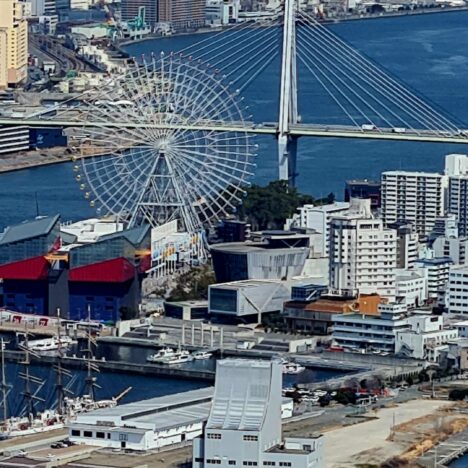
(244, 424)
(43, 267)
(145, 425)
(163, 422)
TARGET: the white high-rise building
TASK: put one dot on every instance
(363, 253)
(416, 197)
(244, 426)
(456, 168)
(457, 290)
(318, 218)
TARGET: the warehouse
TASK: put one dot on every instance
(150, 424)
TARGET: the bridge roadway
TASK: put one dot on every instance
(267, 128)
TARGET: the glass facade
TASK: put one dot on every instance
(223, 300)
(229, 267)
(28, 248)
(118, 247)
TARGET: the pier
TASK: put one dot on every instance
(118, 366)
(446, 452)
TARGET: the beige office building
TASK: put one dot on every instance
(13, 43)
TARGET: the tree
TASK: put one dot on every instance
(193, 284)
(268, 207)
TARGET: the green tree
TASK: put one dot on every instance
(268, 207)
(193, 284)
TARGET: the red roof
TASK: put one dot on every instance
(117, 270)
(34, 268)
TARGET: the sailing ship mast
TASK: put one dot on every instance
(90, 381)
(4, 384)
(28, 396)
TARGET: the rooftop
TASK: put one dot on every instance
(159, 412)
(243, 248)
(28, 230)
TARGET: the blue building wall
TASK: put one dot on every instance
(29, 297)
(105, 300)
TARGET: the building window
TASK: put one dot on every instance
(231, 462)
(123, 437)
(285, 464)
(249, 463)
(100, 435)
(213, 436)
(213, 461)
(198, 460)
(75, 432)
(269, 463)
(87, 434)
(251, 438)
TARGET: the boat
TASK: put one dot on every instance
(67, 407)
(162, 355)
(292, 368)
(180, 357)
(48, 344)
(199, 355)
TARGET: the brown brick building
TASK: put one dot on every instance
(182, 14)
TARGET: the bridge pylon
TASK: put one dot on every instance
(288, 115)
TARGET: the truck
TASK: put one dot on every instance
(368, 127)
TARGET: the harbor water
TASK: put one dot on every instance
(428, 52)
(112, 384)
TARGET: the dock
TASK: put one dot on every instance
(118, 366)
(443, 454)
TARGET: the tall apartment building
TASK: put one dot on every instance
(131, 9)
(457, 290)
(456, 169)
(416, 197)
(13, 43)
(182, 14)
(363, 253)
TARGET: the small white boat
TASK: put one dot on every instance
(292, 368)
(179, 358)
(199, 355)
(162, 355)
(48, 344)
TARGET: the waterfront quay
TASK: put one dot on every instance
(446, 452)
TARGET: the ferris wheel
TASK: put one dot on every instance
(154, 175)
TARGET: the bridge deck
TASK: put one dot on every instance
(300, 130)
